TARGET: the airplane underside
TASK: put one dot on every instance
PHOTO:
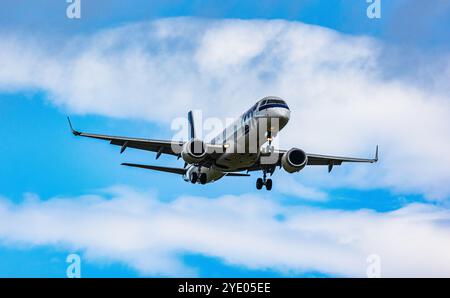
(243, 147)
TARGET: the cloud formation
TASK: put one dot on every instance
(151, 236)
(289, 186)
(342, 100)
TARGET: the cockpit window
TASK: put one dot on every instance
(275, 101)
(272, 102)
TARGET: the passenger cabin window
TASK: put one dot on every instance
(249, 113)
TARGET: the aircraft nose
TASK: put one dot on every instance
(282, 114)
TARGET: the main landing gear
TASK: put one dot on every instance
(263, 181)
(202, 178)
(198, 177)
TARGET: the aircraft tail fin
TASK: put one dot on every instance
(191, 126)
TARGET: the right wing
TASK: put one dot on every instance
(159, 146)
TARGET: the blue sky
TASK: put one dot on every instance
(406, 53)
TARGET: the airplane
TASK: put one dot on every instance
(236, 151)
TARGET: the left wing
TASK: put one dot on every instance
(323, 160)
(330, 161)
(159, 146)
(316, 160)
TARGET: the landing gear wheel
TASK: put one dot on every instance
(269, 184)
(259, 183)
(203, 178)
(194, 177)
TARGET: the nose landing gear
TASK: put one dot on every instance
(263, 181)
(269, 137)
(269, 148)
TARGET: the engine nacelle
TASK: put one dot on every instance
(194, 151)
(294, 160)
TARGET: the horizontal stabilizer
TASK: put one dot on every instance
(179, 171)
(237, 175)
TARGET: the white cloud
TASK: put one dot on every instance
(289, 186)
(150, 235)
(342, 101)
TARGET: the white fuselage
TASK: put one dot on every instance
(245, 137)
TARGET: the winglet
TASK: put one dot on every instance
(376, 155)
(75, 133)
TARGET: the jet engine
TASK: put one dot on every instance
(294, 160)
(194, 151)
